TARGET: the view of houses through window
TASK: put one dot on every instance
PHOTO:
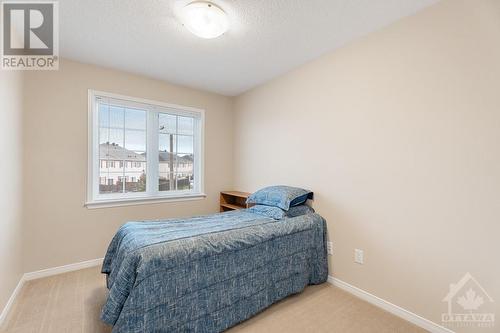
(176, 149)
(123, 153)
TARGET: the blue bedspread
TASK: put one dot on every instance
(208, 273)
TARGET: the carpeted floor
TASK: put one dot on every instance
(71, 302)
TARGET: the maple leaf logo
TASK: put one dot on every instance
(471, 301)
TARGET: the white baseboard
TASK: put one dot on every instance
(389, 307)
(41, 274)
(62, 269)
(11, 300)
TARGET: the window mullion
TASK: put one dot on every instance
(197, 153)
(152, 152)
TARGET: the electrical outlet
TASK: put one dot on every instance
(358, 256)
(329, 248)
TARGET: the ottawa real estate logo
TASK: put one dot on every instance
(30, 35)
(469, 305)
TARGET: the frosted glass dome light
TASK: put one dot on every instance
(204, 19)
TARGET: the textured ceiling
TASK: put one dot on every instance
(266, 37)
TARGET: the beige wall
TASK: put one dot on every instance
(10, 189)
(59, 230)
(398, 135)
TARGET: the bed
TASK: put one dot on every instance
(208, 273)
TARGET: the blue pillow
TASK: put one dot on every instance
(280, 196)
(299, 210)
(272, 212)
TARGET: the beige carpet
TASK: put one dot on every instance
(71, 302)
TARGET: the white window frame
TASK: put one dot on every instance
(152, 194)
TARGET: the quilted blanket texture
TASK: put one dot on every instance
(208, 273)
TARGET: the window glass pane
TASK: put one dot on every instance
(122, 155)
(135, 174)
(116, 116)
(184, 164)
(185, 172)
(135, 140)
(166, 171)
(167, 123)
(110, 150)
(110, 175)
(135, 119)
(103, 115)
(183, 182)
(115, 137)
(166, 142)
(103, 135)
(185, 125)
(185, 144)
(176, 145)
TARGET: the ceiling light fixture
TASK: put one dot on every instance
(204, 19)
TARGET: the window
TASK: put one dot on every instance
(141, 151)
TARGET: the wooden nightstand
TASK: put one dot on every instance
(232, 200)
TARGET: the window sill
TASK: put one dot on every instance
(143, 201)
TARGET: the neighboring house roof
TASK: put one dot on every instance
(165, 157)
(112, 151)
